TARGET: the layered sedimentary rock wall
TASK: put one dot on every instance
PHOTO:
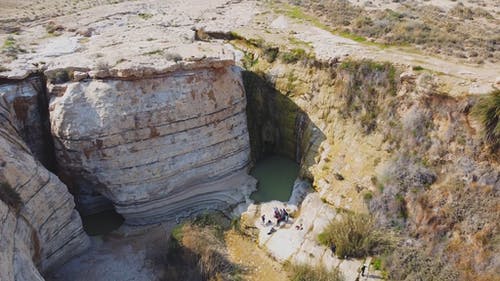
(39, 227)
(158, 147)
(388, 141)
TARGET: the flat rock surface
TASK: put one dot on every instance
(127, 35)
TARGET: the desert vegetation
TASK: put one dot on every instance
(461, 32)
(302, 272)
(410, 197)
(11, 48)
(15, 11)
(409, 263)
(354, 235)
(487, 110)
(197, 251)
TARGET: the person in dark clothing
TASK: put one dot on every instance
(285, 215)
(363, 270)
(263, 219)
(271, 231)
(276, 213)
(333, 247)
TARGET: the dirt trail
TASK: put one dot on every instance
(455, 77)
(246, 253)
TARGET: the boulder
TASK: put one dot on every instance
(160, 147)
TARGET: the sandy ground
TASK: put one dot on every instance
(258, 264)
(489, 5)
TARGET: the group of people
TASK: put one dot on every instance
(281, 215)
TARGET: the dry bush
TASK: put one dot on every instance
(402, 177)
(487, 110)
(303, 272)
(365, 87)
(427, 26)
(210, 249)
(355, 235)
(197, 252)
(173, 57)
(294, 55)
(410, 264)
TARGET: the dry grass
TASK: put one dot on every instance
(460, 32)
(355, 235)
(487, 110)
(197, 251)
(364, 87)
(408, 264)
(303, 272)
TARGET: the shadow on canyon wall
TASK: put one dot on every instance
(277, 125)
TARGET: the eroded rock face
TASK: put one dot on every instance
(26, 101)
(39, 227)
(158, 147)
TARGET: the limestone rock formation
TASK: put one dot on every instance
(157, 147)
(39, 227)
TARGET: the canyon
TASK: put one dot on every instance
(158, 111)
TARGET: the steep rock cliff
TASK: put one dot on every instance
(158, 147)
(389, 141)
(38, 223)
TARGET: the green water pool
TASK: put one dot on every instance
(276, 175)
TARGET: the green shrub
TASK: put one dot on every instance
(60, 76)
(368, 196)
(353, 236)
(177, 233)
(11, 48)
(154, 52)
(293, 55)
(377, 263)
(401, 206)
(487, 110)
(249, 60)
(10, 197)
(9, 42)
(271, 53)
(303, 272)
(145, 16)
(324, 238)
